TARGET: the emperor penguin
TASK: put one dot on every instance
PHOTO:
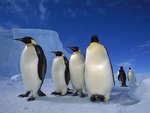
(131, 78)
(99, 76)
(122, 77)
(60, 74)
(33, 68)
(76, 67)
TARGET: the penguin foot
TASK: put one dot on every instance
(124, 86)
(40, 93)
(75, 94)
(22, 95)
(69, 89)
(25, 95)
(82, 95)
(55, 93)
(31, 98)
(93, 98)
(69, 93)
(101, 98)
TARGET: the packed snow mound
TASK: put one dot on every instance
(120, 101)
(11, 50)
(143, 90)
(16, 78)
(142, 95)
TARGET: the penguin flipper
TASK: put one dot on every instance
(67, 73)
(111, 66)
(31, 98)
(55, 93)
(42, 64)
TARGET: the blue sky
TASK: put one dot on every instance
(123, 26)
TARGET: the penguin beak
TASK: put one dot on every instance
(18, 39)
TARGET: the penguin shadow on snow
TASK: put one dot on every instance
(122, 96)
(64, 99)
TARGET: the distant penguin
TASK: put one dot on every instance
(122, 77)
(60, 74)
(76, 66)
(99, 76)
(131, 78)
(33, 68)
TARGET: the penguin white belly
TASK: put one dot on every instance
(58, 75)
(29, 69)
(131, 79)
(98, 79)
(77, 72)
(98, 72)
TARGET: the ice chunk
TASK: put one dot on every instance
(16, 78)
(11, 50)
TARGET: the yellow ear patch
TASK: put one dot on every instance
(33, 42)
(92, 45)
(77, 51)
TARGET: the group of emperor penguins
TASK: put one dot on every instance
(92, 74)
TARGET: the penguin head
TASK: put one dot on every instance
(121, 67)
(129, 68)
(94, 38)
(27, 40)
(57, 53)
(75, 49)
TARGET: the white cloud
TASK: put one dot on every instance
(83, 12)
(101, 11)
(145, 52)
(113, 4)
(43, 10)
(56, 1)
(88, 2)
(142, 49)
(69, 12)
(128, 63)
(142, 75)
(11, 25)
(15, 7)
(146, 44)
(2, 27)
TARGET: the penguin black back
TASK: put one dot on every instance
(67, 73)
(111, 66)
(42, 64)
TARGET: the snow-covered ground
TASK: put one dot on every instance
(123, 100)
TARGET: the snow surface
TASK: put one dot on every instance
(123, 100)
(11, 50)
